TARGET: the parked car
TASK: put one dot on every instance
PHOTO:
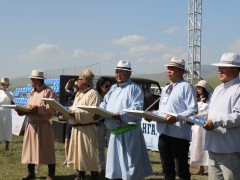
(151, 89)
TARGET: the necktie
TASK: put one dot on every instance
(169, 89)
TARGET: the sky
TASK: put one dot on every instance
(57, 34)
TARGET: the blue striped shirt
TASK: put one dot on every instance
(182, 101)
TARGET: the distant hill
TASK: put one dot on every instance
(208, 72)
(19, 82)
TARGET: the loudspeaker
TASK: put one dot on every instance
(59, 129)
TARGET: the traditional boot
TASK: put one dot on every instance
(169, 177)
(80, 175)
(51, 171)
(94, 175)
(31, 172)
(102, 173)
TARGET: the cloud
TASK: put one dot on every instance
(79, 53)
(235, 47)
(43, 52)
(128, 40)
(83, 54)
(106, 56)
(153, 60)
(146, 48)
(163, 57)
(171, 30)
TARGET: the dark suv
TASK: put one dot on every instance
(151, 89)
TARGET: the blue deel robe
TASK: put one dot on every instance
(127, 156)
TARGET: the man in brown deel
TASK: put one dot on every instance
(38, 142)
(82, 154)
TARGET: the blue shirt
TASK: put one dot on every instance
(127, 95)
(224, 111)
(181, 101)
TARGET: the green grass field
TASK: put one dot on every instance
(12, 169)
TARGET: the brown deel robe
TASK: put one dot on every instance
(82, 150)
(38, 142)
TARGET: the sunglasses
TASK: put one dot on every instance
(106, 86)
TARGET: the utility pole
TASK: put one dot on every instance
(194, 40)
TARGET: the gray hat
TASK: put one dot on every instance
(5, 81)
(37, 74)
(177, 62)
(88, 76)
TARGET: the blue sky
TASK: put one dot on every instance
(54, 34)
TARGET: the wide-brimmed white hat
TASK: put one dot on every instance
(5, 81)
(88, 76)
(229, 60)
(124, 65)
(204, 84)
(177, 62)
(37, 74)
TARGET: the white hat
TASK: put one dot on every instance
(205, 85)
(177, 62)
(229, 60)
(124, 65)
(5, 81)
(37, 74)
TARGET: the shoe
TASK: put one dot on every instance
(102, 173)
(80, 175)
(29, 177)
(200, 172)
(65, 162)
(94, 175)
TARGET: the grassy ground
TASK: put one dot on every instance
(12, 169)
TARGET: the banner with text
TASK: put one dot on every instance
(150, 134)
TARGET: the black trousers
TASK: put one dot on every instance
(174, 157)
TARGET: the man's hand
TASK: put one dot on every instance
(208, 125)
(33, 109)
(72, 113)
(171, 119)
(20, 113)
(116, 116)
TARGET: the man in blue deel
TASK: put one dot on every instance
(127, 156)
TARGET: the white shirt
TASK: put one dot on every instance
(224, 111)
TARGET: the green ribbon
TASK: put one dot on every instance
(126, 128)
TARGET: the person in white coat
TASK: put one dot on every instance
(6, 97)
(199, 156)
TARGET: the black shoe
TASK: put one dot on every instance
(102, 173)
(94, 175)
(80, 175)
(29, 177)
